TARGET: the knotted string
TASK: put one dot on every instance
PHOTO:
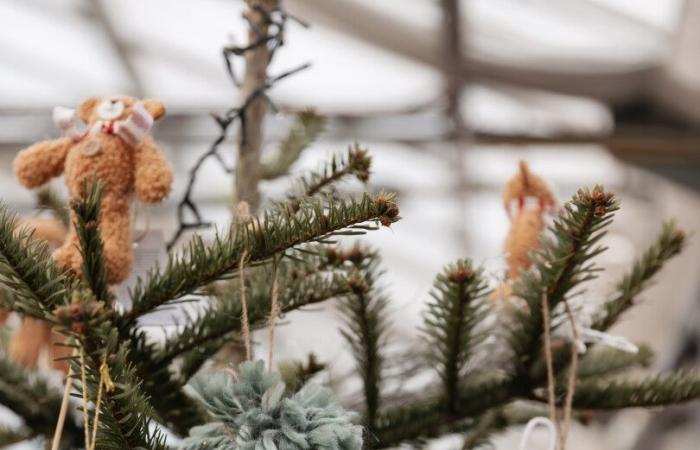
(56, 443)
(104, 383)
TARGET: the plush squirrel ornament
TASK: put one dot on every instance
(527, 223)
(117, 149)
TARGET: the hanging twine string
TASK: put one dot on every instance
(56, 442)
(274, 312)
(571, 386)
(564, 426)
(83, 380)
(548, 360)
(105, 383)
(245, 325)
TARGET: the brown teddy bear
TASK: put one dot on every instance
(116, 148)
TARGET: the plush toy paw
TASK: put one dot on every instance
(68, 257)
(155, 184)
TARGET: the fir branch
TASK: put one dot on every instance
(202, 336)
(450, 321)
(126, 419)
(305, 130)
(484, 426)
(658, 390)
(32, 398)
(87, 213)
(202, 264)
(599, 361)
(126, 414)
(357, 163)
(297, 373)
(366, 324)
(668, 244)
(306, 278)
(426, 419)
(561, 264)
(10, 436)
(176, 409)
(36, 284)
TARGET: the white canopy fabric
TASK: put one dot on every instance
(368, 56)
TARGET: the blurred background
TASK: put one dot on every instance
(448, 95)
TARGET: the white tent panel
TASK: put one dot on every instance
(57, 49)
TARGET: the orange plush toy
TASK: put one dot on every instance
(117, 148)
(527, 224)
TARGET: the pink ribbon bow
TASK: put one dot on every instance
(132, 130)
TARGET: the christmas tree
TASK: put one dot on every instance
(133, 391)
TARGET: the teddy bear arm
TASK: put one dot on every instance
(42, 161)
(153, 175)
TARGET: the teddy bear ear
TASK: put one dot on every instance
(154, 107)
(86, 107)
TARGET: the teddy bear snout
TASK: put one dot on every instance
(110, 109)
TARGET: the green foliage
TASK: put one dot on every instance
(427, 417)
(457, 307)
(365, 314)
(483, 399)
(31, 397)
(356, 164)
(561, 264)
(668, 244)
(295, 374)
(255, 411)
(87, 213)
(601, 360)
(305, 130)
(258, 409)
(303, 280)
(127, 414)
(36, 285)
(657, 390)
(201, 264)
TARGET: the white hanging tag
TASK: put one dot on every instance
(534, 423)
(591, 336)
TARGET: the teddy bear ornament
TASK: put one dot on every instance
(115, 147)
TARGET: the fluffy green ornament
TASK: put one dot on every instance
(256, 412)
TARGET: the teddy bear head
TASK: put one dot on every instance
(117, 107)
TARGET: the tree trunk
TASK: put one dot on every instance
(256, 61)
